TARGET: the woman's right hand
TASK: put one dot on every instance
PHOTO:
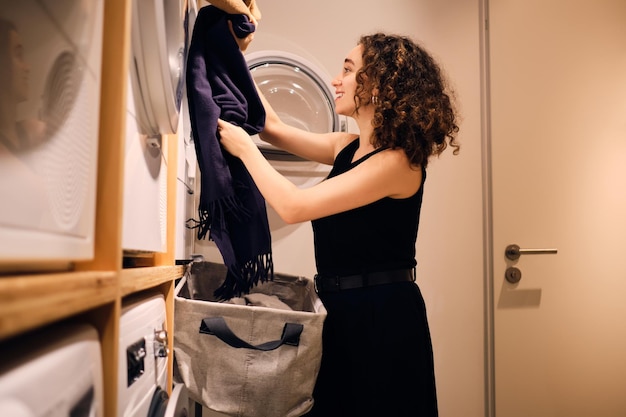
(234, 139)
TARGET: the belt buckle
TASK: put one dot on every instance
(319, 284)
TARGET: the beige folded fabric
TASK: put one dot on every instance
(259, 300)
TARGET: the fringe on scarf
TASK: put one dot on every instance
(217, 210)
(246, 276)
(260, 269)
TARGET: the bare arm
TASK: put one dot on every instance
(387, 174)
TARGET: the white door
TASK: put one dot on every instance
(558, 119)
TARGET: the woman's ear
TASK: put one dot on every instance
(374, 98)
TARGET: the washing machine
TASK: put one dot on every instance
(50, 77)
(143, 357)
(299, 91)
(54, 372)
(160, 35)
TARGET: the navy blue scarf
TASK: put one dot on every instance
(231, 209)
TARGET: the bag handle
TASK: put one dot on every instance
(217, 326)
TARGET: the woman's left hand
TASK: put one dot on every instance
(242, 43)
(234, 139)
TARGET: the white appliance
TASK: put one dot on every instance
(143, 355)
(299, 91)
(57, 372)
(159, 39)
(50, 68)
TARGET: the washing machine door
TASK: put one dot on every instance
(56, 371)
(160, 33)
(298, 91)
(175, 405)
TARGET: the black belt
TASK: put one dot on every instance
(332, 283)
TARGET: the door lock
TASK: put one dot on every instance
(513, 274)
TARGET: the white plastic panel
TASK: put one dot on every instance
(50, 63)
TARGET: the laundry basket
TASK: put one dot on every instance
(254, 356)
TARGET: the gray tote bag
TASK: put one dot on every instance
(255, 356)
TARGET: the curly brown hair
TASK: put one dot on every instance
(413, 109)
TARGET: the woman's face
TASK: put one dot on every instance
(345, 83)
(19, 68)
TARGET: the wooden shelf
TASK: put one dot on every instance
(139, 279)
(93, 290)
(29, 301)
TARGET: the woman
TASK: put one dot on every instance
(377, 358)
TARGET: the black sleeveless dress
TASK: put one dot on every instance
(377, 355)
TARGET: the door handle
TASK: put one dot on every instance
(513, 252)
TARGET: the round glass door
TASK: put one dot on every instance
(298, 93)
(159, 39)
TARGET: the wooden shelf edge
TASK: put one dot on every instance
(30, 301)
(139, 279)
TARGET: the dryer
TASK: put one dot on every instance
(54, 372)
(160, 32)
(50, 76)
(143, 356)
(299, 91)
